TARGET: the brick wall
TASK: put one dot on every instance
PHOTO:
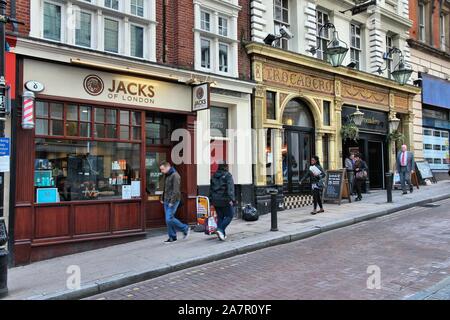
(22, 14)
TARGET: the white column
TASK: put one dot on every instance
(100, 31)
(126, 37)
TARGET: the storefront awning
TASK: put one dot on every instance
(435, 91)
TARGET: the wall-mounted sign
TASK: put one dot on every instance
(4, 154)
(106, 87)
(200, 97)
(34, 86)
(373, 121)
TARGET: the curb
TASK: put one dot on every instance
(90, 289)
(422, 295)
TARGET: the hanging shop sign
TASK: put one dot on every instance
(34, 86)
(200, 97)
(373, 121)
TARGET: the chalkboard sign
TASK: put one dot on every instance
(336, 185)
(424, 170)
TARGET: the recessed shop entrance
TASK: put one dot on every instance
(298, 146)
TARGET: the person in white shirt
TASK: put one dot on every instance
(405, 166)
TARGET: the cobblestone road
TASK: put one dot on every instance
(411, 249)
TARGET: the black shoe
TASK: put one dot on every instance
(411, 190)
(170, 240)
(405, 192)
(313, 212)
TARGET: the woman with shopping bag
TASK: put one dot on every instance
(222, 198)
(316, 174)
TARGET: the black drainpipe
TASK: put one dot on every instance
(13, 14)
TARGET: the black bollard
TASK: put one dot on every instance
(388, 180)
(273, 210)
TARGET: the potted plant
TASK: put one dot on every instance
(350, 131)
(396, 136)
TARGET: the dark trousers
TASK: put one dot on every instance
(317, 198)
(224, 217)
(358, 186)
(405, 178)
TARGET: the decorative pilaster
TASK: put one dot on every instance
(319, 145)
(259, 147)
(258, 23)
(377, 43)
(278, 158)
(310, 24)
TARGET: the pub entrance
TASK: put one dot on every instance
(298, 146)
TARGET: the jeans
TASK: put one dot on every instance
(405, 177)
(173, 223)
(224, 217)
(317, 198)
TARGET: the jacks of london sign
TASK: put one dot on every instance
(106, 87)
(297, 80)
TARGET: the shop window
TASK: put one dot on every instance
(218, 121)
(49, 118)
(296, 113)
(52, 21)
(326, 113)
(271, 105)
(158, 129)
(67, 170)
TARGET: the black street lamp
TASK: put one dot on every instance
(402, 72)
(336, 49)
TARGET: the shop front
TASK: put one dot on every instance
(88, 172)
(300, 106)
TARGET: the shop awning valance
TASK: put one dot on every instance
(435, 91)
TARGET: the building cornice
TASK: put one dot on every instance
(272, 53)
(418, 45)
(61, 53)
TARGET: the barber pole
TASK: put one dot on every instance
(28, 110)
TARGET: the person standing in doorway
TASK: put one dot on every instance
(360, 175)
(349, 165)
(222, 198)
(405, 166)
(171, 200)
(316, 174)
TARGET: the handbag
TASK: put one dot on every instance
(361, 175)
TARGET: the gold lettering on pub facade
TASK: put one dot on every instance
(297, 80)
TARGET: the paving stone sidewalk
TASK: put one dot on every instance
(112, 267)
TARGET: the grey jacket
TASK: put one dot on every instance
(172, 183)
(409, 161)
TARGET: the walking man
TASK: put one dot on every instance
(405, 166)
(171, 201)
(349, 165)
(222, 198)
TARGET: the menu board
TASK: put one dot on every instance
(425, 170)
(335, 185)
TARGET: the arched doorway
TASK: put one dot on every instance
(298, 145)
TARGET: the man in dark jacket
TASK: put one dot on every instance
(222, 198)
(171, 200)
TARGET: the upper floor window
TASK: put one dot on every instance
(355, 44)
(223, 26)
(113, 4)
(205, 53)
(205, 21)
(281, 19)
(389, 46)
(137, 7)
(223, 57)
(111, 35)
(422, 19)
(137, 41)
(52, 21)
(443, 30)
(83, 29)
(322, 18)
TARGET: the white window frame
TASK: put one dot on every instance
(62, 36)
(422, 21)
(119, 35)
(353, 48)
(443, 21)
(228, 57)
(210, 53)
(226, 19)
(143, 9)
(324, 37)
(92, 29)
(210, 22)
(119, 5)
(144, 40)
(282, 43)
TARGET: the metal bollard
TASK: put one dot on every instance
(3, 260)
(388, 182)
(273, 210)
